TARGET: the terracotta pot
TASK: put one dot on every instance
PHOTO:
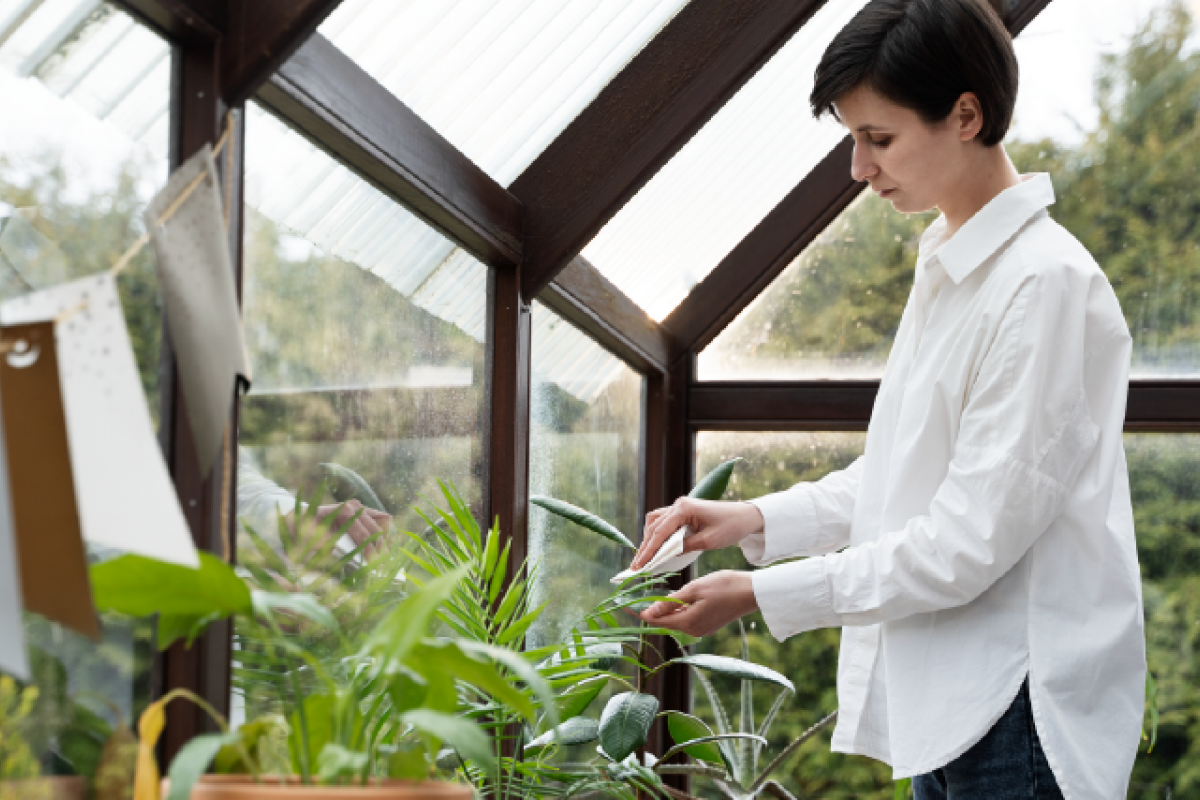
(241, 787)
(68, 788)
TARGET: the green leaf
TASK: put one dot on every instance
(300, 604)
(518, 628)
(346, 484)
(449, 659)
(140, 586)
(582, 518)
(735, 668)
(575, 701)
(685, 728)
(521, 668)
(902, 789)
(337, 762)
(579, 730)
(407, 689)
(400, 631)
(626, 722)
(230, 759)
(408, 764)
(192, 761)
(463, 735)
(1152, 708)
(712, 486)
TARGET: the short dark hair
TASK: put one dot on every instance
(924, 55)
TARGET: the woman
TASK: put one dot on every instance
(980, 556)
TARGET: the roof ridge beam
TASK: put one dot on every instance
(654, 106)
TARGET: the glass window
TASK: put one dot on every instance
(584, 448)
(726, 179)
(1116, 130)
(774, 462)
(83, 147)
(500, 79)
(1164, 478)
(365, 332)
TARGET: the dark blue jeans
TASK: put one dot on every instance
(1006, 764)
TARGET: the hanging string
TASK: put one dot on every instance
(128, 256)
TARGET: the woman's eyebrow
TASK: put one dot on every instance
(869, 128)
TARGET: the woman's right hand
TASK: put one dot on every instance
(714, 525)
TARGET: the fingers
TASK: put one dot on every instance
(664, 523)
(712, 602)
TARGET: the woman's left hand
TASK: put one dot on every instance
(707, 604)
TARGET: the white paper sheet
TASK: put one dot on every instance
(13, 657)
(669, 558)
(124, 493)
(196, 276)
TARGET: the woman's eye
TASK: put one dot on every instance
(884, 142)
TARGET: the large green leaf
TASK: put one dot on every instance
(712, 486)
(575, 701)
(626, 722)
(579, 730)
(186, 598)
(346, 484)
(736, 668)
(192, 761)
(583, 518)
(685, 728)
(522, 669)
(463, 735)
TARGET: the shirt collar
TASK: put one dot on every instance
(992, 226)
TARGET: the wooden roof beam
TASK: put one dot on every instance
(641, 119)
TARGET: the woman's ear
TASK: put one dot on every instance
(967, 116)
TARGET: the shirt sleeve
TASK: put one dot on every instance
(260, 501)
(1026, 433)
(807, 519)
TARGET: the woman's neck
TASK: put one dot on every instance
(988, 173)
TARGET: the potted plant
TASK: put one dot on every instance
(370, 726)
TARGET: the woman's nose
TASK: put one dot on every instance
(862, 167)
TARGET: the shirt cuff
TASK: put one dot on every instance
(788, 517)
(795, 598)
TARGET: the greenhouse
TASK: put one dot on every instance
(348, 344)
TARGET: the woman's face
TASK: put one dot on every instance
(906, 160)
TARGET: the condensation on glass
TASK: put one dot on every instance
(584, 448)
(726, 179)
(499, 79)
(1115, 127)
(775, 461)
(83, 147)
(365, 331)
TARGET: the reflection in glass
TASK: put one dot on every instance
(726, 178)
(367, 350)
(83, 147)
(583, 448)
(500, 79)
(1124, 173)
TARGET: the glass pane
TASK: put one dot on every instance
(726, 179)
(584, 448)
(1164, 476)
(774, 462)
(365, 331)
(83, 147)
(834, 311)
(1115, 128)
(500, 79)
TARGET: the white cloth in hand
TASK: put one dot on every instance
(669, 558)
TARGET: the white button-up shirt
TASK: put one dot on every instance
(987, 533)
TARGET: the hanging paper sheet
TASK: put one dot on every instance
(13, 657)
(196, 276)
(125, 495)
(50, 551)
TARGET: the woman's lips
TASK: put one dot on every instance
(887, 193)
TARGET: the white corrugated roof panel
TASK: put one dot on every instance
(726, 179)
(500, 79)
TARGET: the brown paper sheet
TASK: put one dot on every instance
(53, 562)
